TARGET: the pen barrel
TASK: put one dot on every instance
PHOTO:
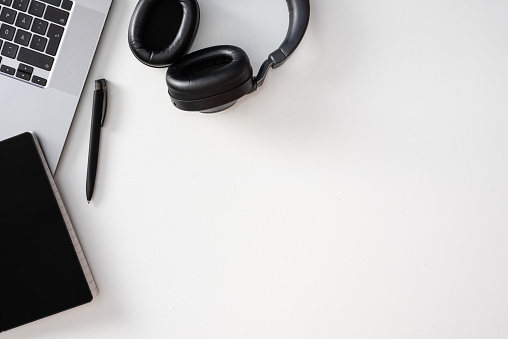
(95, 133)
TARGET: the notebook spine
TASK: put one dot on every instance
(77, 247)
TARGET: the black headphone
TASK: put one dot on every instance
(212, 79)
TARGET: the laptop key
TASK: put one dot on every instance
(56, 15)
(23, 21)
(20, 5)
(8, 15)
(36, 8)
(67, 4)
(23, 75)
(38, 43)
(7, 69)
(6, 2)
(39, 26)
(36, 59)
(25, 68)
(39, 81)
(53, 2)
(10, 50)
(22, 37)
(55, 33)
(7, 32)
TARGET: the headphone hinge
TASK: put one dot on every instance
(259, 79)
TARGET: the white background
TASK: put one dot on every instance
(362, 192)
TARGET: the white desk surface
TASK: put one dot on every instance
(362, 192)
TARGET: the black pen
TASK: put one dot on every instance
(98, 115)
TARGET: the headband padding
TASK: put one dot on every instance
(208, 72)
(162, 31)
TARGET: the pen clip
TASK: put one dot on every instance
(100, 85)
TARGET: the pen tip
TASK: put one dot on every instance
(88, 202)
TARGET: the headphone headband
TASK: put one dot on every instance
(299, 15)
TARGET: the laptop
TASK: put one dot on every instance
(46, 49)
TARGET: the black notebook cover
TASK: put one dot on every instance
(43, 270)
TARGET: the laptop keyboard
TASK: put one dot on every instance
(30, 35)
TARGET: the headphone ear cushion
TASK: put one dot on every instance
(211, 72)
(162, 31)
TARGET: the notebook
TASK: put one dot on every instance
(46, 49)
(43, 268)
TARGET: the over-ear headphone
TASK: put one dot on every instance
(212, 79)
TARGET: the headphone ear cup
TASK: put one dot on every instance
(162, 31)
(210, 79)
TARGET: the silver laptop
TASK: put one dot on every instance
(46, 49)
